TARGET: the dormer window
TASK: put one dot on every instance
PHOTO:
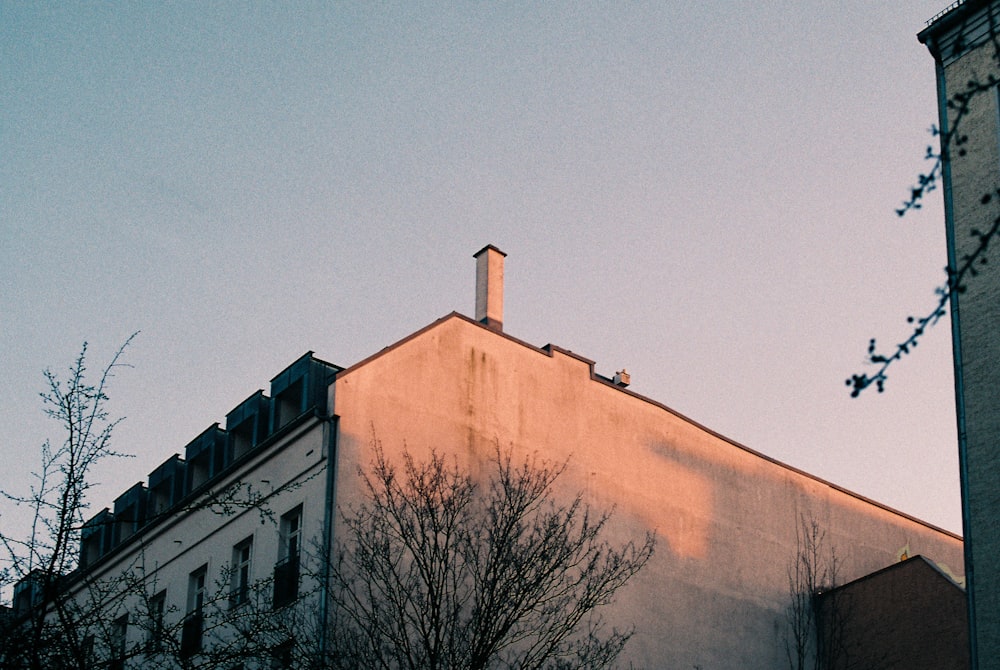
(248, 425)
(205, 457)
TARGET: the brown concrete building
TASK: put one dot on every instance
(909, 615)
(963, 41)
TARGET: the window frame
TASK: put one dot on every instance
(157, 624)
(118, 642)
(193, 626)
(286, 570)
(290, 535)
(197, 589)
(242, 572)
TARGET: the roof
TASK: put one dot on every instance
(912, 564)
(550, 349)
(960, 27)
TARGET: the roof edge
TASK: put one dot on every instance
(918, 559)
(550, 349)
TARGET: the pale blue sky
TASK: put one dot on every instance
(700, 192)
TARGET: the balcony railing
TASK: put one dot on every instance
(239, 595)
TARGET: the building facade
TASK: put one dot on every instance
(908, 615)
(728, 521)
(964, 43)
(211, 562)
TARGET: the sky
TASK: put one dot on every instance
(702, 193)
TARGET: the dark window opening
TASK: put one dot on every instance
(288, 404)
(281, 656)
(191, 631)
(199, 471)
(286, 582)
(242, 439)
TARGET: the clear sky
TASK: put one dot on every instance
(701, 192)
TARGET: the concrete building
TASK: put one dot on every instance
(963, 41)
(727, 519)
(909, 615)
(218, 536)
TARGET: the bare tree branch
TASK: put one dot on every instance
(439, 571)
(953, 143)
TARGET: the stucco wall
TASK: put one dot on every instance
(715, 593)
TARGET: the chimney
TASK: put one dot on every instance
(489, 286)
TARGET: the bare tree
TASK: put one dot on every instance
(815, 569)
(65, 616)
(436, 570)
(49, 636)
(828, 629)
(226, 631)
(454, 573)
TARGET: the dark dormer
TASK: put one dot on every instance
(166, 486)
(248, 425)
(28, 592)
(205, 456)
(95, 537)
(130, 513)
(300, 388)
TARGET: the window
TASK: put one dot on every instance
(286, 572)
(27, 592)
(119, 631)
(281, 656)
(291, 535)
(241, 438)
(87, 649)
(157, 607)
(196, 590)
(95, 538)
(240, 581)
(194, 621)
(288, 404)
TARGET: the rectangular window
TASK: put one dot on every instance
(286, 572)
(194, 621)
(87, 649)
(119, 632)
(157, 607)
(291, 535)
(281, 656)
(241, 567)
(196, 590)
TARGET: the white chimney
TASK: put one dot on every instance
(489, 286)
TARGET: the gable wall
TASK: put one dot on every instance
(716, 591)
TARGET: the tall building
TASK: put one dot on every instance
(964, 43)
(729, 522)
